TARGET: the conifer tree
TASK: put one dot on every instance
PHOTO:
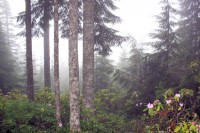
(74, 67)
(189, 27)
(165, 34)
(42, 13)
(10, 78)
(103, 69)
(29, 61)
(104, 36)
(8, 75)
(88, 53)
(56, 66)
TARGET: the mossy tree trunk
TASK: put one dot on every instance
(88, 53)
(73, 67)
(56, 66)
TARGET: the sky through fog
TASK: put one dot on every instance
(137, 21)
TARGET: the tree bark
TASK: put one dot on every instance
(47, 76)
(74, 67)
(29, 62)
(56, 66)
(88, 53)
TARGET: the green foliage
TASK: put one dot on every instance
(17, 114)
(103, 69)
(101, 122)
(173, 115)
(110, 100)
(45, 96)
(65, 109)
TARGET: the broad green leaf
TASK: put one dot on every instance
(178, 128)
(145, 109)
(151, 112)
(158, 108)
(192, 128)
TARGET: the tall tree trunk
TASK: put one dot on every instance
(88, 53)
(47, 78)
(56, 66)
(29, 63)
(7, 28)
(73, 67)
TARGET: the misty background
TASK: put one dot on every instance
(136, 22)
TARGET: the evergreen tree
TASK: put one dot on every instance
(9, 48)
(160, 64)
(189, 27)
(132, 77)
(42, 13)
(46, 19)
(74, 67)
(5, 17)
(103, 69)
(88, 53)
(8, 79)
(56, 66)
(95, 17)
(106, 37)
(165, 34)
(189, 45)
(29, 61)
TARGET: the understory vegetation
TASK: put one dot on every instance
(173, 113)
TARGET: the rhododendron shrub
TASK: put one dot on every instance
(172, 114)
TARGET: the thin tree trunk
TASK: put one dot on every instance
(56, 66)
(88, 53)
(47, 77)
(73, 67)
(29, 63)
(7, 28)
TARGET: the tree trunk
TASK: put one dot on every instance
(47, 78)
(56, 66)
(29, 63)
(73, 67)
(88, 53)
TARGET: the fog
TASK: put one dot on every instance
(137, 21)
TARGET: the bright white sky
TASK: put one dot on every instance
(137, 16)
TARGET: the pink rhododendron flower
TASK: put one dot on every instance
(156, 101)
(177, 95)
(168, 101)
(149, 105)
(198, 127)
(60, 125)
(181, 104)
(193, 123)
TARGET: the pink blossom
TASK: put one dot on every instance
(193, 123)
(156, 101)
(181, 104)
(177, 95)
(149, 105)
(198, 127)
(168, 101)
(60, 125)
